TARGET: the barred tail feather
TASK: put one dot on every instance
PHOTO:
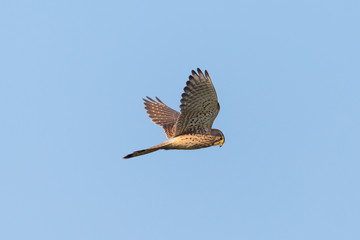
(163, 145)
(141, 152)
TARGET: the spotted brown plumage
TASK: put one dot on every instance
(192, 127)
(162, 115)
(199, 105)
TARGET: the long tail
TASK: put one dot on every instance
(163, 145)
(141, 152)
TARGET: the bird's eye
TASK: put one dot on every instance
(221, 138)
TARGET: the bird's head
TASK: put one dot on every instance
(219, 137)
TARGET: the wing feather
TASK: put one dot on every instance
(199, 105)
(162, 115)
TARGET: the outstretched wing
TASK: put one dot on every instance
(162, 115)
(199, 105)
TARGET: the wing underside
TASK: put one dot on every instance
(162, 115)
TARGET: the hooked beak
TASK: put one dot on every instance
(221, 143)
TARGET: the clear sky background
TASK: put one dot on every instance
(73, 74)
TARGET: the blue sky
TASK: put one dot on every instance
(73, 74)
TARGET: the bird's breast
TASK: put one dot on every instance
(192, 141)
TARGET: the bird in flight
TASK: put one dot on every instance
(191, 127)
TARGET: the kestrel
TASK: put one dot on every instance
(191, 128)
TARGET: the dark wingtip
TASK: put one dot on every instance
(146, 100)
(150, 99)
(159, 100)
(207, 75)
(200, 73)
